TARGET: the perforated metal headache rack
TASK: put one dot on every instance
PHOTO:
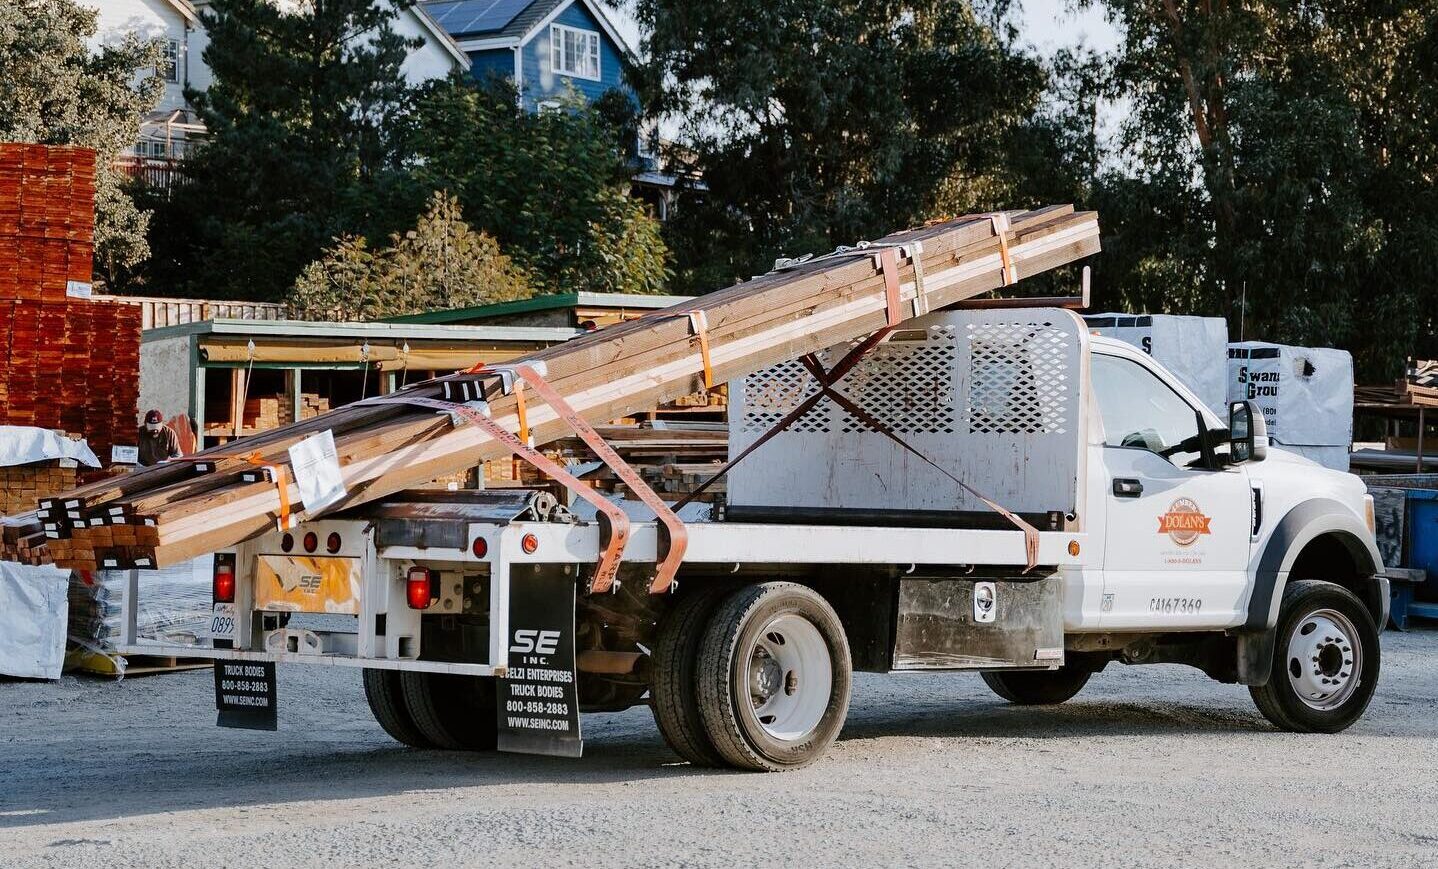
(991, 397)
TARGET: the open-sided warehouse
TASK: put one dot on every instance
(239, 377)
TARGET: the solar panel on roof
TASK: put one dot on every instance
(475, 16)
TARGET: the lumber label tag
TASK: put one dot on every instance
(245, 694)
(539, 695)
(317, 471)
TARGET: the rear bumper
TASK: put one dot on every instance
(414, 666)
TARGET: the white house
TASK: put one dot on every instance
(167, 130)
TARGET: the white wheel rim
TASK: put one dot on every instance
(789, 677)
(1325, 661)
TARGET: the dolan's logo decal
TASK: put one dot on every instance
(1184, 522)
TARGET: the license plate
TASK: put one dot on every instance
(222, 622)
(307, 584)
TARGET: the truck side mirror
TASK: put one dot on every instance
(1247, 433)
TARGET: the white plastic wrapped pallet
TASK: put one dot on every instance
(1193, 348)
(33, 610)
(173, 608)
(1305, 393)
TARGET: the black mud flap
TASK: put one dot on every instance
(245, 694)
(539, 694)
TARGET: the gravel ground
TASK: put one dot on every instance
(1150, 766)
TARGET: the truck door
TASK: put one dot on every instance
(1177, 534)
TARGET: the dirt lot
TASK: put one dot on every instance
(1149, 766)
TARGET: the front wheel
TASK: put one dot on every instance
(1325, 663)
(1037, 688)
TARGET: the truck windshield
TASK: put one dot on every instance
(1139, 410)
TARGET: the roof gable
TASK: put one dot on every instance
(510, 23)
(439, 35)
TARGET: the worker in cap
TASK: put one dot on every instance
(157, 440)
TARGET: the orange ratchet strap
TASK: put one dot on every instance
(673, 536)
(614, 523)
(1000, 223)
(699, 322)
(889, 267)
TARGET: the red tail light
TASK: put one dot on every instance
(312, 541)
(287, 542)
(480, 548)
(529, 543)
(224, 581)
(332, 543)
(419, 588)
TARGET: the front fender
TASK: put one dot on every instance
(1298, 527)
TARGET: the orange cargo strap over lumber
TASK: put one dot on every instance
(192, 508)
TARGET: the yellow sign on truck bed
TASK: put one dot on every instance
(307, 584)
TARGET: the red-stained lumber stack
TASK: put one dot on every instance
(70, 363)
(47, 220)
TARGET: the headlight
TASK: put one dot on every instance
(1368, 518)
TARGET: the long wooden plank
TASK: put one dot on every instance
(414, 461)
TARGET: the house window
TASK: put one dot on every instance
(169, 65)
(574, 52)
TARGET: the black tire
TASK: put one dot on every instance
(675, 670)
(1037, 687)
(725, 703)
(453, 712)
(385, 694)
(1300, 610)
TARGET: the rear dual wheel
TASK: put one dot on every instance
(759, 679)
(434, 710)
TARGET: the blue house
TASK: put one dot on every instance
(544, 46)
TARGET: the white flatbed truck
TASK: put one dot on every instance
(1163, 536)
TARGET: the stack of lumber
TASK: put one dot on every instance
(312, 405)
(22, 540)
(70, 363)
(668, 455)
(47, 220)
(22, 486)
(658, 443)
(175, 512)
(673, 481)
(73, 366)
(263, 414)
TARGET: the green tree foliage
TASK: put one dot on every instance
(550, 186)
(299, 147)
(441, 263)
(818, 122)
(55, 91)
(1277, 165)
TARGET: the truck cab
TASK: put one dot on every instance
(989, 491)
(1204, 538)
